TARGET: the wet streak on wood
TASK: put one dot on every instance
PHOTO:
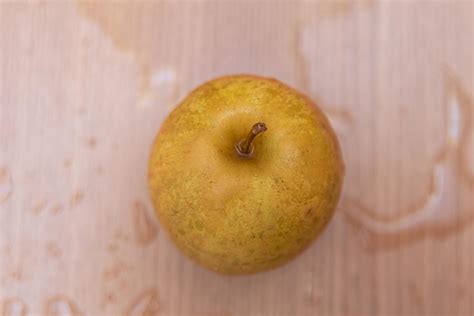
(84, 88)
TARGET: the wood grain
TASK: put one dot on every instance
(84, 87)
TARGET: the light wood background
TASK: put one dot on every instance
(84, 87)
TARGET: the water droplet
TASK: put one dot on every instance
(6, 184)
(53, 250)
(61, 306)
(16, 274)
(340, 120)
(454, 121)
(14, 307)
(38, 207)
(91, 142)
(312, 295)
(162, 77)
(460, 125)
(108, 298)
(122, 236)
(67, 163)
(114, 271)
(160, 88)
(146, 304)
(112, 248)
(56, 208)
(165, 84)
(76, 199)
(145, 228)
(439, 212)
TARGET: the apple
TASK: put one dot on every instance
(245, 173)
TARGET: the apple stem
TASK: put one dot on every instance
(244, 147)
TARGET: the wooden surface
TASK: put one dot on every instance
(84, 87)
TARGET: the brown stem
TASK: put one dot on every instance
(244, 147)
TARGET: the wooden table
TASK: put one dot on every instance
(84, 87)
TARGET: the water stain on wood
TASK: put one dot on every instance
(61, 306)
(145, 229)
(14, 307)
(113, 19)
(53, 250)
(341, 120)
(442, 211)
(146, 304)
(6, 184)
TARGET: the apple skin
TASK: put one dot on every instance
(238, 215)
